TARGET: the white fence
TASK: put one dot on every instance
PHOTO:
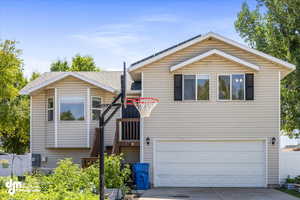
(289, 164)
(21, 165)
(285, 141)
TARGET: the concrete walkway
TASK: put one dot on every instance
(215, 194)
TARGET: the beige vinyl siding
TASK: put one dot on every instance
(71, 135)
(213, 118)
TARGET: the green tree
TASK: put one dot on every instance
(79, 63)
(59, 66)
(274, 28)
(14, 109)
(11, 75)
(83, 63)
(34, 76)
(14, 125)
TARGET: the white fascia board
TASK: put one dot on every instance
(63, 75)
(211, 52)
(219, 37)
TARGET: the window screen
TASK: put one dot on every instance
(96, 102)
(238, 84)
(224, 87)
(202, 87)
(189, 87)
(50, 109)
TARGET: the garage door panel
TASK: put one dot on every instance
(220, 146)
(203, 157)
(211, 181)
(204, 169)
(210, 163)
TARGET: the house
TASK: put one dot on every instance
(217, 123)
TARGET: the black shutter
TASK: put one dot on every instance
(249, 86)
(177, 87)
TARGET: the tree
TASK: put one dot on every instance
(34, 76)
(59, 66)
(11, 75)
(14, 109)
(274, 28)
(79, 63)
(14, 132)
(83, 63)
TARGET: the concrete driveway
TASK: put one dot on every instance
(215, 194)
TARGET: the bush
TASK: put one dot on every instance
(70, 182)
(116, 175)
(290, 180)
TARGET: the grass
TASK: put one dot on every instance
(290, 192)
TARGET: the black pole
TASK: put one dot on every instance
(102, 123)
(101, 157)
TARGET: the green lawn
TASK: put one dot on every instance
(291, 192)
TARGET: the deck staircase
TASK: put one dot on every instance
(127, 134)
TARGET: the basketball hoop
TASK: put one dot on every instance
(144, 105)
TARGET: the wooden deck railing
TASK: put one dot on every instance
(127, 133)
(129, 129)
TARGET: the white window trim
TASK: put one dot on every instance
(84, 109)
(91, 107)
(196, 92)
(50, 97)
(230, 74)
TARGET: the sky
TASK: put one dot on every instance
(110, 31)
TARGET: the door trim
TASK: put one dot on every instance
(155, 140)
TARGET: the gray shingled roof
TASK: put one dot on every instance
(109, 79)
(167, 49)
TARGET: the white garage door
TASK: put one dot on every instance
(209, 164)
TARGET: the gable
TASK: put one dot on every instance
(202, 44)
(214, 52)
(52, 77)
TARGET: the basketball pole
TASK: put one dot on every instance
(102, 122)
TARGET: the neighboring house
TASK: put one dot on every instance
(217, 123)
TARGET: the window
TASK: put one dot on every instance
(196, 87)
(202, 87)
(224, 87)
(96, 109)
(238, 84)
(232, 87)
(72, 108)
(189, 87)
(50, 109)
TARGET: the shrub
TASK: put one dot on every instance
(290, 180)
(116, 175)
(70, 182)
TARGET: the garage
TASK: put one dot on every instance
(209, 163)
